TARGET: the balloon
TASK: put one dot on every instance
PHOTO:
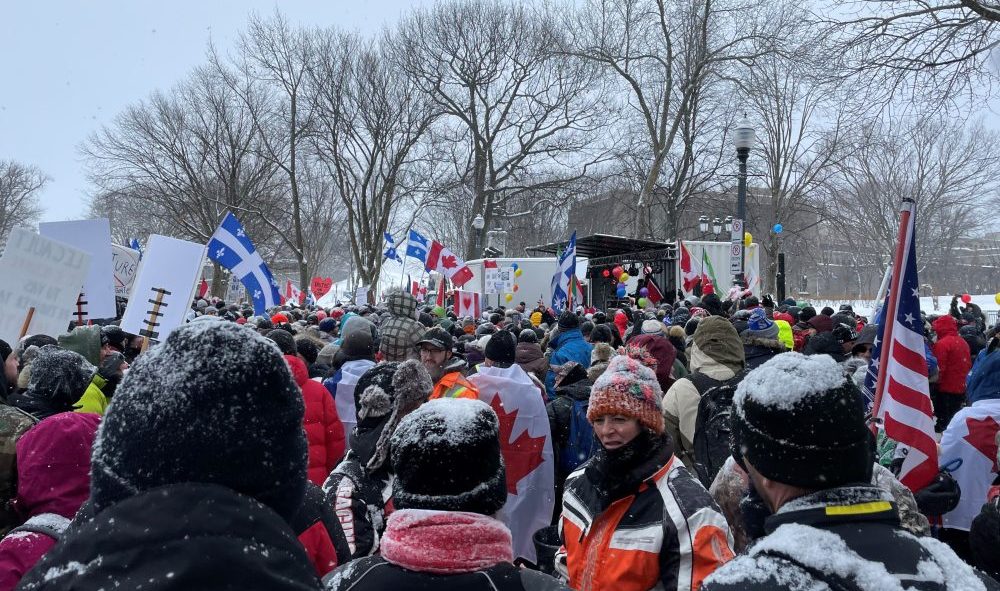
(606, 273)
(621, 291)
(643, 302)
(996, 298)
(966, 298)
(513, 266)
(617, 271)
(778, 228)
(747, 239)
(517, 272)
(508, 297)
(515, 288)
(644, 292)
(623, 277)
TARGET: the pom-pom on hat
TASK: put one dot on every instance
(628, 388)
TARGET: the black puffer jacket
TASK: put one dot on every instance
(825, 343)
(177, 537)
(758, 350)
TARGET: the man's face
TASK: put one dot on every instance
(10, 368)
(107, 350)
(433, 359)
(864, 352)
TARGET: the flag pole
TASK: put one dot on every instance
(905, 211)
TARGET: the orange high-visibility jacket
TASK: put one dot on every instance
(454, 385)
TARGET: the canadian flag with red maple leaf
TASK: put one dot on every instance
(526, 445)
(447, 263)
(971, 437)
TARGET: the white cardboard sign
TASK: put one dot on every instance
(126, 264)
(164, 286)
(42, 274)
(98, 287)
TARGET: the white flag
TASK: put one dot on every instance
(526, 444)
(972, 438)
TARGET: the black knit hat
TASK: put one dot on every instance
(799, 421)
(386, 393)
(502, 348)
(568, 321)
(214, 403)
(446, 456)
(527, 336)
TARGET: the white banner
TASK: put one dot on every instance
(126, 265)
(361, 295)
(40, 274)
(164, 287)
(98, 287)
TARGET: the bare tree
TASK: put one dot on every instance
(369, 119)
(523, 117)
(20, 185)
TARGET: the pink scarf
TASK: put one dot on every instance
(445, 542)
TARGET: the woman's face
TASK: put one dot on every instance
(614, 431)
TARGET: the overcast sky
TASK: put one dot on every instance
(71, 66)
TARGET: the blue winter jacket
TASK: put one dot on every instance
(983, 382)
(568, 346)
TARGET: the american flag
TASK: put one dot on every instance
(902, 396)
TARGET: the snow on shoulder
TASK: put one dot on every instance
(787, 379)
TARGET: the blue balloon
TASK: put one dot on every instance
(513, 266)
(621, 291)
(778, 228)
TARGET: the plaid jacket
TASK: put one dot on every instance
(401, 332)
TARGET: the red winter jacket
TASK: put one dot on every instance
(952, 353)
(324, 431)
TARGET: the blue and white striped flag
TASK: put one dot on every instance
(231, 247)
(390, 248)
(566, 271)
(417, 246)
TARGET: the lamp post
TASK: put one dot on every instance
(744, 138)
(716, 227)
(703, 224)
(478, 223)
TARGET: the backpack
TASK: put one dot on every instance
(14, 423)
(712, 427)
(580, 444)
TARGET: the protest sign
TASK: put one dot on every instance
(40, 276)
(126, 263)
(98, 287)
(361, 295)
(163, 288)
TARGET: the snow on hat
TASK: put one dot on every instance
(760, 326)
(390, 389)
(214, 403)
(652, 327)
(798, 420)
(628, 388)
(446, 456)
(59, 377)
(502, 348)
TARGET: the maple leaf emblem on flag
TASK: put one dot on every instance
(521, 455)
(983, 436)
(449, 261)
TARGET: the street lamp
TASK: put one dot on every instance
(703, 224)
(744, 138)
(729, 224)
(717, 227)
(478, 223)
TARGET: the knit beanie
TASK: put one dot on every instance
(822, 323)
(628, 388)
(283, 339)
(213, 403)
(59, 377)
(446, 457)
(535, 318)
(392, 390)
(568, 321)
(502, 348)
(760, 326)
(85, 340)
(716, 337)
(799, 421)
(655, 352)
(806, 313)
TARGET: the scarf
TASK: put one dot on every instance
(445, 542)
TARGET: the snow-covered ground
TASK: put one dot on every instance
(930, 305)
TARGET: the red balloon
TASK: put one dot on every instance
(606, 273)
(966, 298)
(617, 271)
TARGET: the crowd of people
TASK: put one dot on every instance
(708, 443)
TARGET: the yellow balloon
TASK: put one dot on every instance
(747, 239)
(509, 297)
(996, 298)
(517, 273)
(623, 277)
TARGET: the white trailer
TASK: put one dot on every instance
(534, 284)
(713, 260)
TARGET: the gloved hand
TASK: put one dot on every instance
(940, 496)
(111, 368)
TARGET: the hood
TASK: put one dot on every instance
(602, 353)
(621, 320)
(53, 464)
(762, 343)
(717, 338)
(402, 304)
(299, 370)
(984, 380)
(579, 390)
(564, 337)
(945, 326)
(528, 353)
(657, 347)
(85, 340)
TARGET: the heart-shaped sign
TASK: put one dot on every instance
(321, 286)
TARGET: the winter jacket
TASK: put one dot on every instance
(453, 384)
(441, 550)
(567, 346)
(53, 468)
(972, 337)
(317, 527)
(680, 403)
(785, 334)
(621, 323)
(360, 498)
(844, 538)
(401, 332)
(654, 528)
(531, 359)
(341, 386)
(825, 343)
(600, 356)
(952, 352)
(758, 350)
(324, 431)
(560, 412)
(984, 380)
(174, 537)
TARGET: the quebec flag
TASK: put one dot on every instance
(417, 246)
(231, 247)
(563, 275)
